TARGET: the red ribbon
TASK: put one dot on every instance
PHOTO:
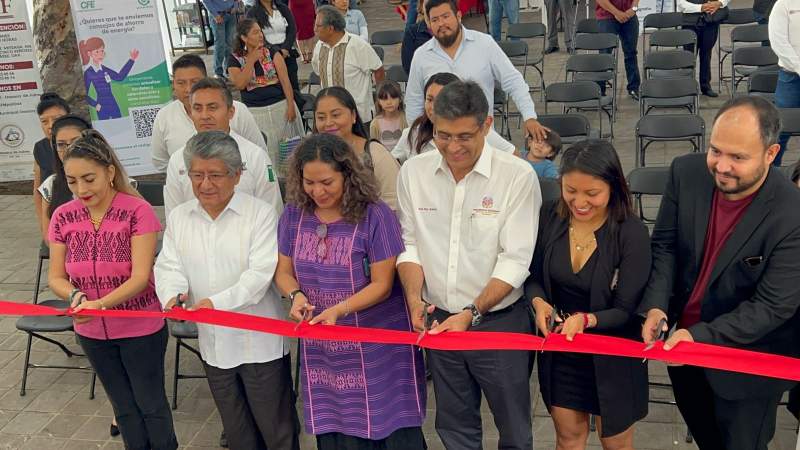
(691, 353)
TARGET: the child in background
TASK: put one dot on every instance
(390, 121)
(541, 154)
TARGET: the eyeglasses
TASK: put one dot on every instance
(213, 177)
(463, 138)
(322, 246)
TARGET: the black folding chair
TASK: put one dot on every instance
(38, 326)
(602, 69)
(517, 53)
(587, 26)
(660, 21)
(571, 128)
(680, 92)
(668, 128)
(763, 83)
(736, 17)
(647, 181)
(576, 95)
(747, 60)
(387, 37)
(669, 63)
(535, 58)
(379, 51)
(313, 80)
(551, 189)
(182, 331)
(672, 39)
(790, 121)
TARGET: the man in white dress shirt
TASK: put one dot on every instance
(341, 60)
(470, 214)
(471, 55)
(220, 251)
(212, 110)
(173, 125)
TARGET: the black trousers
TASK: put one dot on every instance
(706, 40)
(132, 373)
(256, 404)
(719, 424)
(459, 377)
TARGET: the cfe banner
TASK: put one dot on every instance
(125, 73)
(20, 88)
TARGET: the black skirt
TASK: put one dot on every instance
(403, 439)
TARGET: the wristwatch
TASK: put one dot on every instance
(476, 315)
(634, 8)
(294, 293)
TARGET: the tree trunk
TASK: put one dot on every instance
(57, 51)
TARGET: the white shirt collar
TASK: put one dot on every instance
(234, 205)
(483, 166)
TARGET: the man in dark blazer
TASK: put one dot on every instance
(725, 271)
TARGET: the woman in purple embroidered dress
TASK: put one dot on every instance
(337, 246)
(93, 52)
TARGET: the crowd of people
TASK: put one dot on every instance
(407, 211)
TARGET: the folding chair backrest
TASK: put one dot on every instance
(790, 120)
(379, 50)
(668, 87)
(750, 33)
(762, 81)
(566, 125)
(648, 180)
(596, 41)
(572, 91)
(754, 56)
(739, 16)
(663, 20)
(152, 192)
(592, 62)
(526, 30)
(514, 49)
(671, 126)
(397, 73)
(669, 60)
(387, 37)
(588, 26)
(672, 38)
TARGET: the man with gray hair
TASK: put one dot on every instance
(212, 110)
(470, 214)
(220, 252)
(341, 60)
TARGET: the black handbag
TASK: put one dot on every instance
(700, 19)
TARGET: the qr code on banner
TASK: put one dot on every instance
(143, 119)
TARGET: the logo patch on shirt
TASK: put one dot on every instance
(270, 174)
(487, 202)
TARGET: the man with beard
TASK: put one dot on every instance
(725, 272)
(473, 56)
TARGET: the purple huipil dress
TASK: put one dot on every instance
(363, 390)
(109, 109)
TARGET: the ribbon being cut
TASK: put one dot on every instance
(691, 353)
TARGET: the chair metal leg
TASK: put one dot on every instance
(63, 348)
(297, 368)
(38, 282)
(592, 423)
(689, 437)
(26, 365)
(175, 374)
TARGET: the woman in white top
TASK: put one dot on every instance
(280, 31)
(418, 138)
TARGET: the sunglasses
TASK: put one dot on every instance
(322, 246)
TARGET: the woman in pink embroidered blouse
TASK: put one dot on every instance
(102, 246)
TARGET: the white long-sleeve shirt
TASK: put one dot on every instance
(403, 150)
(258, 179)
(463, 234)
(173, 127)
(230, 260)
(685, 6)
(784, 34)
(478, 59)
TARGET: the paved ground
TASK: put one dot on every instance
(57, 413)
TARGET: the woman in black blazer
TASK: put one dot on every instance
(589, 269)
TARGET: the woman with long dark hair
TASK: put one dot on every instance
(418, 138)
(335, 112)
(589, 270)
(278, 25)
(260, 74)
(337, 248)
(51, 106)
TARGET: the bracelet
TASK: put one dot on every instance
(102, 306)
(294, 293)
(585, 320)
(346, 309)
(72, 294)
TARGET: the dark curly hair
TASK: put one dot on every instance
(360, 187)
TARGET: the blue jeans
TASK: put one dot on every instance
(496, 10)
(787, 95)
(628, 33)
(223, 36)
(411, 14)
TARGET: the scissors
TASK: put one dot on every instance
(306, 317)
(180, 302)
(661, 336)
(425, 317)
(551, 324)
